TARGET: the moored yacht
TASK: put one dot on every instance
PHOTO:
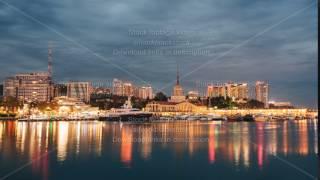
(35, 118)
(216, 117)
(235, 117)
(261, 118)
(126, 113)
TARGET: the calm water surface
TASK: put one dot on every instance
(166, 150)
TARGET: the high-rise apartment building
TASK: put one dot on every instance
(80, 90)
(117, 87)
(10, 87)
(29, 87)
(127, 89)
(262, 92)
(121, 88)
(216, 90)
(145, 92)
(60, 90)
(236, 91)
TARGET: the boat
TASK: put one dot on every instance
(193, 118)
(299, 118)
(278, 118)
(248, 117)
(234, 118)
(165, 118)
(126, 113)
(290, 117)
(261, 118)
(215, 117)
(216, 122)
(35, 118)
(182, 117)
(204, 118)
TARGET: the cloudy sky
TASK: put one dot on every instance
(144, 40)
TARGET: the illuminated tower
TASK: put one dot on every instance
(177, 95)
(177, 89)
(262, 92)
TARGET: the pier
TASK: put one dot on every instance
(230, 112)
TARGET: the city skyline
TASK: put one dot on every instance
(39, 86)
(100, 89)
(22, 86)
(200, 87)
(285, 56)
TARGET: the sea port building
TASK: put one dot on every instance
(172, 108)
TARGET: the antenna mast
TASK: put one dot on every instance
(50, 60)
(178, 81)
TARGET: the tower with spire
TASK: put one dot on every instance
(177, 94)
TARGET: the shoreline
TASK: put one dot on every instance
(151, 120)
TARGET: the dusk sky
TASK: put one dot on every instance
(238, 40)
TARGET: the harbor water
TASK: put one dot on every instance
(158, 150)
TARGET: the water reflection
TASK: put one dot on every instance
(240, 144)
(211, 144)
(260, 143)
(126, 145)
(62, 140)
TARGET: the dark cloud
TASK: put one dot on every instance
(286, 55)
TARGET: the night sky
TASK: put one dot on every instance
(232, 40)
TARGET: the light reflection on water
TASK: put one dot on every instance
(238, 144)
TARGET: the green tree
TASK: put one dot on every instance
(139, 103)
(160, 96)
(118, 101)
(43, 106)
(1, 101)
(221, 102)
(11, 103)
(252, 103)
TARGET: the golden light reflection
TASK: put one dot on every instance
(303, 137)
(212, 148)
(191, 135)
(236, 145)
(62, 140)
(97, 138)
(272, 139)
(163, 133)
(126, 145)
(285, 138)
(246, 147)
(78, 126)
(21, 136)
(260, 144)
(230, 142)
(146, 144)
(315, 128)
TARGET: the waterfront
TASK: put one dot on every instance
(159, 150)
